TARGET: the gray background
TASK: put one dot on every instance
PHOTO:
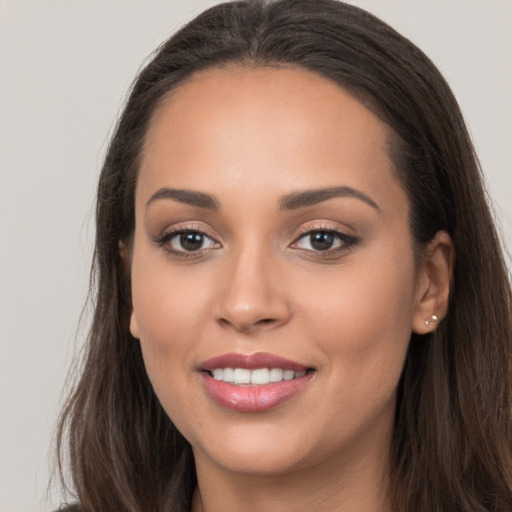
(64, 70)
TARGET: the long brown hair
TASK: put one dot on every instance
(452, 444)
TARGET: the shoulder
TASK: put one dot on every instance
(70, 508)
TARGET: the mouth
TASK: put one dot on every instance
(253, 383)
(258, 377)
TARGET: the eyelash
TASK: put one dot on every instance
(346, 242)
(166, 238)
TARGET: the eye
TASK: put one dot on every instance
(187, 241)
(322, 240)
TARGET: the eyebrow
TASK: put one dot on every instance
(292, 201)
(190, 197)
(305, 198)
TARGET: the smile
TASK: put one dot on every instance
(253, 383)
(258, 377)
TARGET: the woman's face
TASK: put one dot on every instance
(272, 242)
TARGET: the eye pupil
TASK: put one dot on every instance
(322, 240)
(191, 241)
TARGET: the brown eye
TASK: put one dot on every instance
(319, 241)
(322, 240)
(191, 241)
(187, 240)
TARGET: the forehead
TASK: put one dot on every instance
(239, 124)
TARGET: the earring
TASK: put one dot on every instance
(433, 318)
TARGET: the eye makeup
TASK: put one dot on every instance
(320, 242)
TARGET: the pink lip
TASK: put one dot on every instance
(252, 362)
(252, 398)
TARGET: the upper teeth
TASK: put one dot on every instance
(260, 376)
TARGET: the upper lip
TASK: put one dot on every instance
(252, 362)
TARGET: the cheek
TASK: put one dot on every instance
(361, 318)
(168, 311)
(167, 299)
(168, 326)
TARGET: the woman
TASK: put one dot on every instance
(301, 299)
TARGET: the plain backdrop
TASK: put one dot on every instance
(64, 70)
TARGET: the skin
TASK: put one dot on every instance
(248, 137)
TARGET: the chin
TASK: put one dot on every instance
(263, 449)
(256, 462)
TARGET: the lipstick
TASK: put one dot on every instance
(253, 383)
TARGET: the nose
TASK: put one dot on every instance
(252, 294)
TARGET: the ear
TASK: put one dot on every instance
(134, 328)
(126, 257)
(433, 286)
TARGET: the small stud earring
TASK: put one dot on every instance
(433, 318)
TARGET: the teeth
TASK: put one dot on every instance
(276, 375)
(228, 375)
(260, 376)
(242, 376)
(288, 374)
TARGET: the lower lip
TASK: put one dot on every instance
(251, 398)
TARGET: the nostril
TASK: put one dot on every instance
(247, 326)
